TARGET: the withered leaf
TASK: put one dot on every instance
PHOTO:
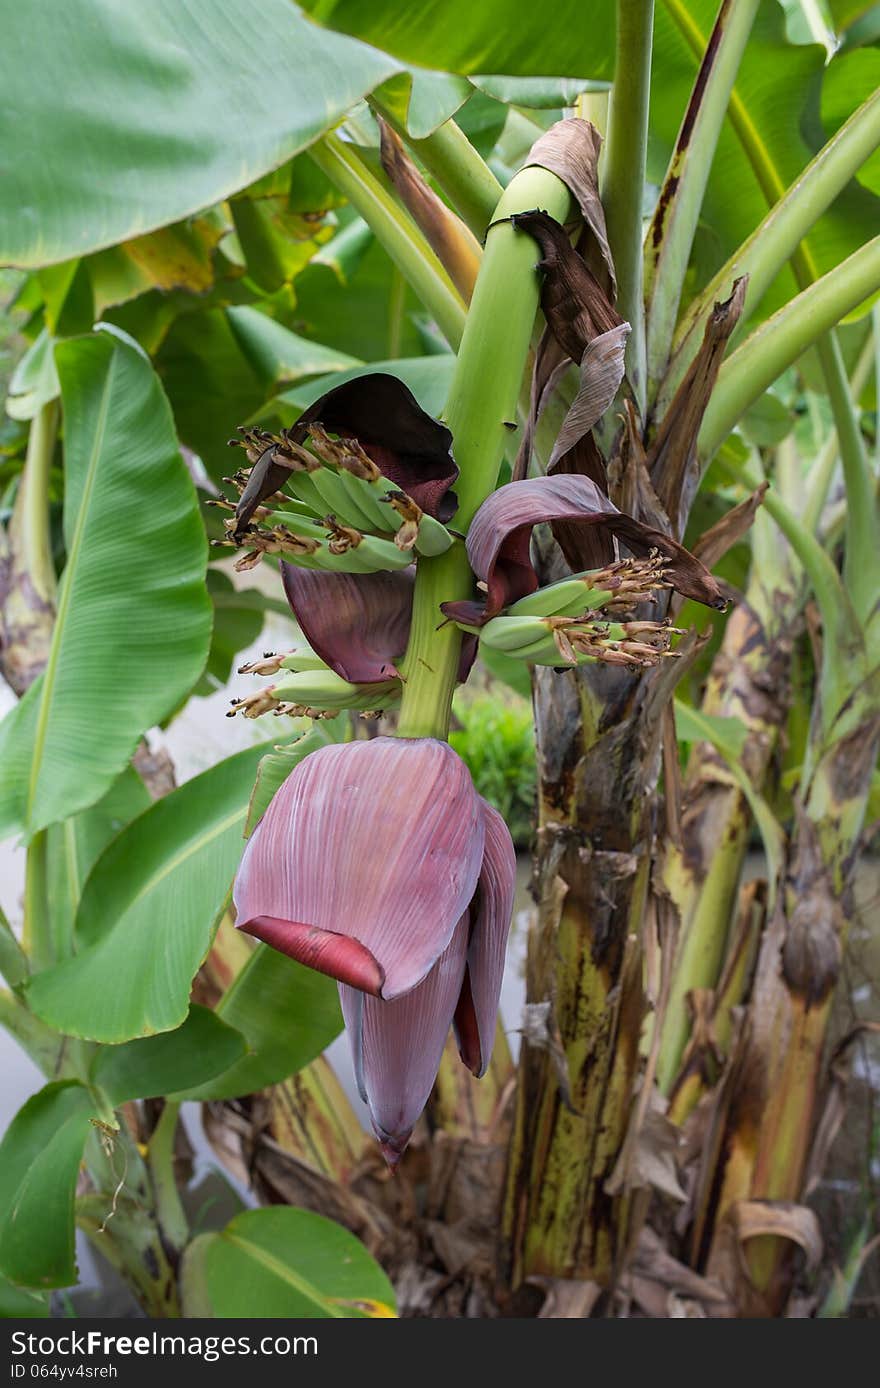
(782, 1218)
(570, 149)
(566, 1298)
(672, 458)
(574, 303)
(631, 488)
(601, 372)
(649, 1157)
(729, 530)
(456, 247)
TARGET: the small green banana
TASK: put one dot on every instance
(303, 488)
(513, 634)
(567, 598)
(433, 537)
(369, 497)
(326, 690)
(338, 499)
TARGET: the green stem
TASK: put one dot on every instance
(783, 338)
(31, 517)
(396, 306)
(823, 469)
(862, 516)
(393, 229)
(451, 159)
(481, 407)
(38, 1041)
(169, 1209)
(623, 181)
(430, 667)
(779, 235)
(13, 960)
(36, 937)
(671, 235)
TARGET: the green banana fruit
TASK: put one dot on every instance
(567, 598)
(325, 689)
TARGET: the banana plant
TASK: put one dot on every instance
(518, 330)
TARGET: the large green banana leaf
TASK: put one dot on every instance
(119, 118)
(134, 617)
(763, 145)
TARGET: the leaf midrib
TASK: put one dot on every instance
(284, 1273)
(70, 570)
(172, 864)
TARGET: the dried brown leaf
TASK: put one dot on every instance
(751, 1219)
(601, 372)
(649, 1155)
(672, 459)
(583, 547)
(574, 303)
(729, 530)
(565, 1298)
(550, 365)
(631, 487)
(653, 1260)
(456, 247)
(833, 1107)
(570, 149)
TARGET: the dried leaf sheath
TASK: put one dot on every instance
(672, 457)
(570, 149)
(575, 305)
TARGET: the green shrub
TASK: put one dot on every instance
(496, 738)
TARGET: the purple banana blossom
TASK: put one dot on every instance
(499, 538)
(379, 864)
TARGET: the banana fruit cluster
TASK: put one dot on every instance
(310, 689)
(572, 622)
(337, 511)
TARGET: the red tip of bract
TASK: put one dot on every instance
(337, 955)
(491, 912)
(392, 1153)
(380, 842)
(397, 1046)
(499, 536)
(357, 623)
(409, 447)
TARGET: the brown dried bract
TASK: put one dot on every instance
(456, 247)
(672, 458)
